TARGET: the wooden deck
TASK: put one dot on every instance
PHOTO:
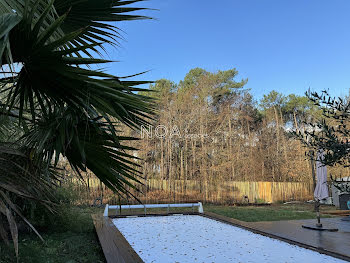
(115, 247)
(336, 244)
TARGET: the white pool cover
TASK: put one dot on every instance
(191, 238)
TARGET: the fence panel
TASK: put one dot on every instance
(161, 191)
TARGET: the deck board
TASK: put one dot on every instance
(114, 245)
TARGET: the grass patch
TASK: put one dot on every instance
(266, 213)
(71, 239)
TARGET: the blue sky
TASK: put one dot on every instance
(285, 45)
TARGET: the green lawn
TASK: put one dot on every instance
(267, 213)
(273, 212)
(73, 238)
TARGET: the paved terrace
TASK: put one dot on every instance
(333, 242)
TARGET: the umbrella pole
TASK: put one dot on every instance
(317, 202)
(317, 209)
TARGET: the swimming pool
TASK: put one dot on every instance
(194, 238)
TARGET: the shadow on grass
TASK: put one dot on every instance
(71, 239)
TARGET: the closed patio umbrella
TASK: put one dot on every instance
(321, 189)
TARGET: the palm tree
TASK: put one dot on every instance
(54, 105)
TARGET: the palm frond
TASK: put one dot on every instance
(50, 78)
(7, 22)
(21, 178)
(87, 143)
(96, 17)
(61, 106)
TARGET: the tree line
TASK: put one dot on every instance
(209, 128)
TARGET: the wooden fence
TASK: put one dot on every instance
(161, 191)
